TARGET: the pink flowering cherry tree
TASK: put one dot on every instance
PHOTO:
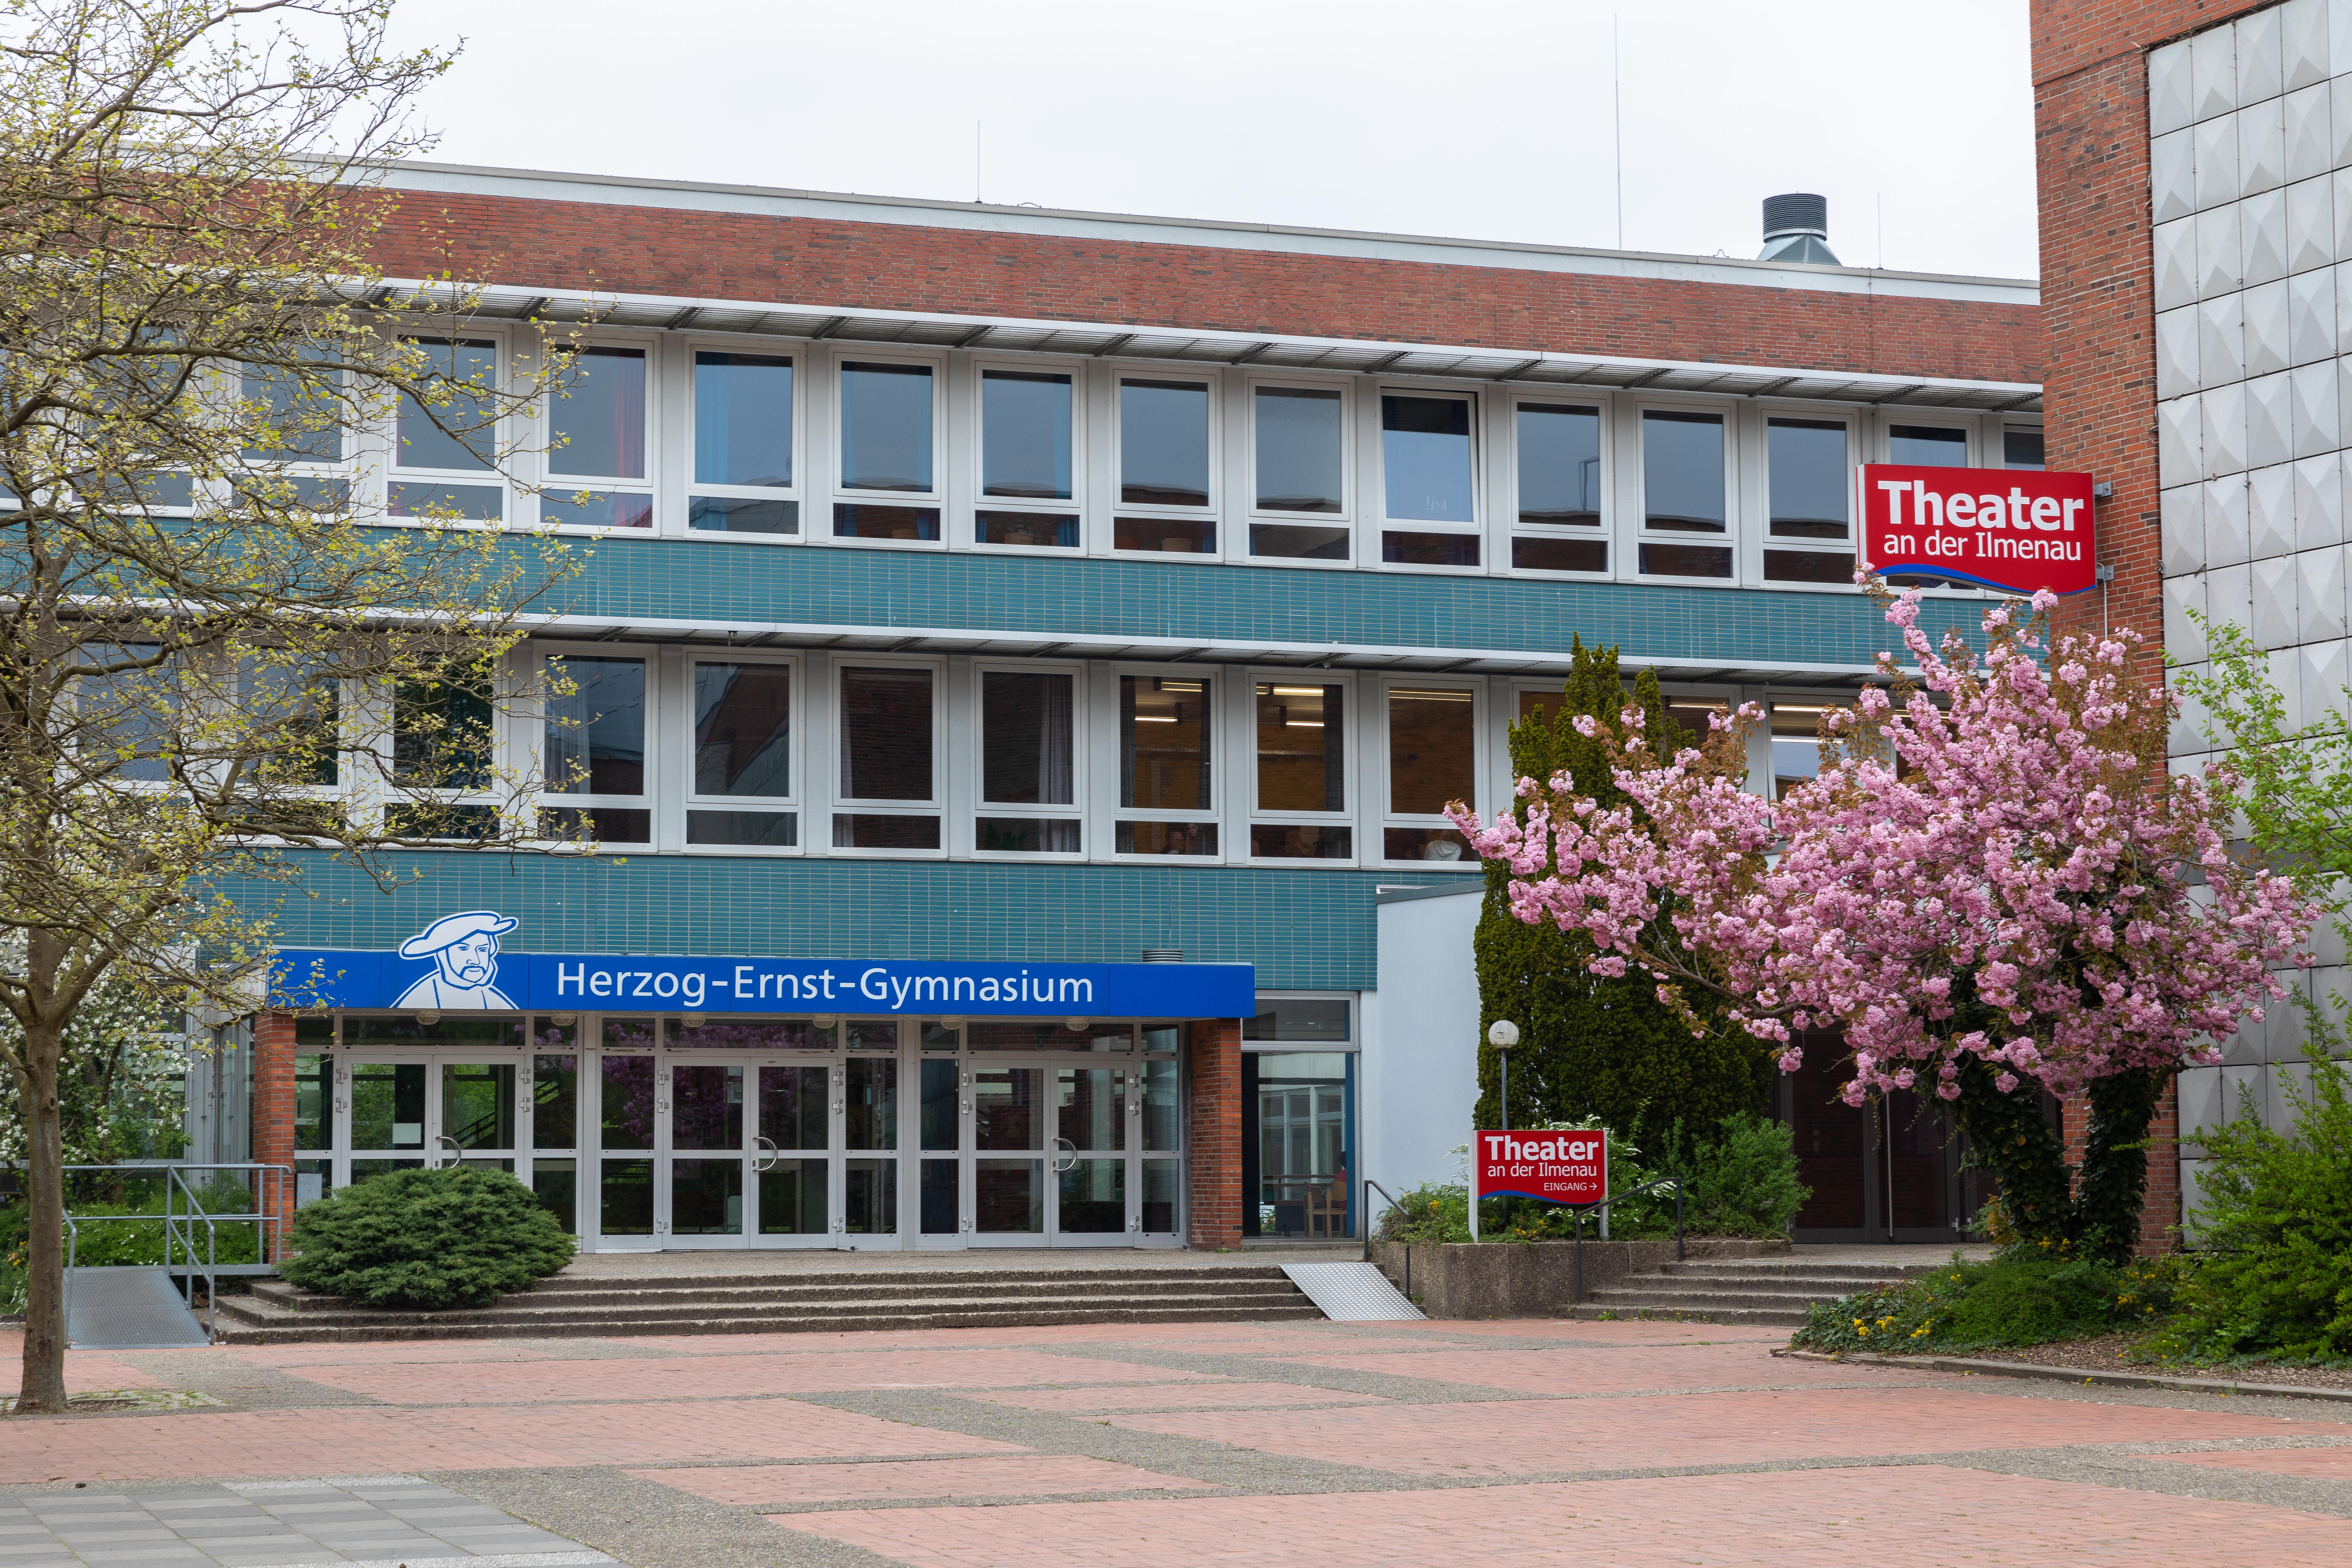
(1993, 887)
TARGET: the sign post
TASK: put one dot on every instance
(2014, 530)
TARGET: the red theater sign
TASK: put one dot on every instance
(2016, 530)
(1557, 1167)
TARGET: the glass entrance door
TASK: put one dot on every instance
(702, 1164)
(1093, 1191)
(475, 1116)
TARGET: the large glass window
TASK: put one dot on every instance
(1806, 458)
(1432, 760)
(1164, 442)
(1164, 756)
(453, 430)
(598, 417)
(1796, 744)
(1927, 446)
(742, 757)
(1301, 768)
(1426, 465)
(302, 409)
(1027, 759)
(885, 426)
(743, 444)
(1299, 1127)
(593, 750)
(1025, 434)
(888, 749)
(1682, 471)
(1558, 464)
(1300, 447)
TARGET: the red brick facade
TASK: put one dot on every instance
(273, 1113)
(909, 266)
(1213, 1111)
(2090, 91)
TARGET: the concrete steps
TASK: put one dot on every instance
(835, 1302)
(1773, 1292)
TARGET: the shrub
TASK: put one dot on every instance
(1743, 1183)
(2028, 1295)
(459, 1236)
(2276, 1280)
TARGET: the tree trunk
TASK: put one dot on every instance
(43, 1387)
(2096, 1209)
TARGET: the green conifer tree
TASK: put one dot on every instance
(1589, 1045)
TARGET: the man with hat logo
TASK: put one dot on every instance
(465, 952)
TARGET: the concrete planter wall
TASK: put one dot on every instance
(1530, 1280)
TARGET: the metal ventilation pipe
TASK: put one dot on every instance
(1797, 228)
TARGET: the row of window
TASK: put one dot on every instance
(681, 751)
(930, 449)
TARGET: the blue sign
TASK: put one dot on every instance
(454, 964)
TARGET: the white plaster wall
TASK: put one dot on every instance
(1420, 1071)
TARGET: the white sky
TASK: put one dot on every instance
(1487, 118)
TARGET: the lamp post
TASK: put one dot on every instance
(1502, 1034)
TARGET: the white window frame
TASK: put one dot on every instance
(796, 493)
(1638, 524)
(1246, 812)
(1933, 418)
(1999, 433)
(544, 799)
(515, 762)
(975, 762)
(841, 494)
(942, 763)
(1075, 507)
(1511, 529)
(1218, 681)
(1253, 515)
(1476, 530)
(796, 772)
(499, 476)
(1213, 513)
(650, 486)
(1765, 539)
(343, 470)
(1379, 814)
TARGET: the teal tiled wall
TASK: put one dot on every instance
(693, 579)
(1304, 930)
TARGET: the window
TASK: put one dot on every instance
(443, 747)
(1428, 472)
(1300, 444)
(1558, 448)
(888, 443)
(2020, 448)
(1432, 760)
(1027, 764)
(597, 421)
(1807, 497)
(889, 742)
(1927, 446)
(1165, 762)
(1683, 491)
(453, 432)
(743, 477)
(1025, 455)
(1796, 744)
(593, 751)
(1302, 770)
(299, 408)
(742, 779)
(1164, 462)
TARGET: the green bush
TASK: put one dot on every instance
(459, 1236)
(114, 1234)
(1743, 1183)
(2028, 1295)
(2275, 1228)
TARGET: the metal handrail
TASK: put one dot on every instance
(178, 1226)
(1580, 1210)
(1371, 1187)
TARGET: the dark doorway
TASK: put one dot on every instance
(1890, 1170)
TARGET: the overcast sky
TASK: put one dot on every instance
(1488, 118)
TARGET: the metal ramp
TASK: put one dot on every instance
(1352, 1293)
(128, 1309)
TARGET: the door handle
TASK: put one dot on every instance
(1065, 1156)
(768, 1160)
(450, 1147)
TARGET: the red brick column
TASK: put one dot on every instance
(1213, 1116)
(2159, 1211)
(273, 1114)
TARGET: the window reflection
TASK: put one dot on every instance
(885, 426)
(1164, 442)
(1425, 459)
(1025, 434)
(1298, 449)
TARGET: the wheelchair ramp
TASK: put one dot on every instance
(1351, 1292)
(128, 1309)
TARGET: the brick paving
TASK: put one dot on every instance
(1135, 1445)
